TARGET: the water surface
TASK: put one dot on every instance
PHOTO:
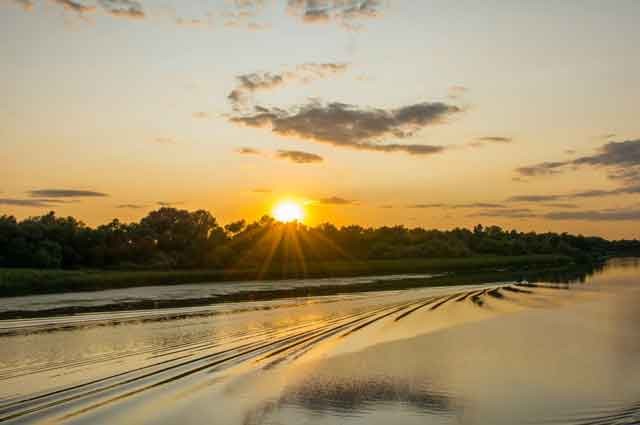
(498, 353)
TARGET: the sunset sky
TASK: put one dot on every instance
(423, 113)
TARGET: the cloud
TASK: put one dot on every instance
(561, 205)
(131, 206)
(481, 141)
(336, 200)
(387, 206)
(621, 159)
(299, 157)
(608, 136)
(261, 190)
(507, 213)
(622, 214)
(248, 151)
(456, 206)
(350, 126)
(346, 13)
(128, 9)
(200, 115)
(169, 204)
(29, 202)
(426, 206)
(75, 6)
(595, 193)
(543, 168)
(65, 193)
(247, 84)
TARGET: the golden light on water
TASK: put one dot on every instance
(288, 210)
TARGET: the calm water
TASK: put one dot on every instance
(477, 354)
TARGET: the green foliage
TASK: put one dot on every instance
(170, 238)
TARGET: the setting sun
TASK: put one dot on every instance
(287, 211)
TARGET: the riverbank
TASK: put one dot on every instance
(19, 282)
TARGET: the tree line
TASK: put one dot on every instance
(176, 238)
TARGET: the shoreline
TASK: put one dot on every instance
(562, 274)
(25, 282)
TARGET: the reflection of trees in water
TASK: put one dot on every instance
(570, 275)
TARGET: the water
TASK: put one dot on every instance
(478, 354)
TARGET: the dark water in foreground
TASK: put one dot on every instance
(476, 354)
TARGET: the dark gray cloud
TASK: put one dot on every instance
(621, 159)
(336, 200)
(347, 13)
(128, 9)
(622, 214)
(65, 193)
(247, 84)
(349, 126)
(299, 157)
(248, 151)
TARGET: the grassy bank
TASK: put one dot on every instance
(16, 282)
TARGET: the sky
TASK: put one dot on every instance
(436, 114)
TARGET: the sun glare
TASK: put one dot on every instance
(287, 211)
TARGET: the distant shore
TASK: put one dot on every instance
(20, 282)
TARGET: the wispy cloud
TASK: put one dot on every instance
(128, 9)
(507, 213)
(29, 202)
(247, 84)
(622, 214)
(336, 200)
(353, 127)
(595, 193)
(620, 159)
(200, 115)
(458, 206)
(299, 157)
(248, 151)
(65, 193)
(131, 206)
(481, 141)
(169, 203)
(346, 13)
(75, 6)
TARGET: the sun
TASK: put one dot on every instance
(286, 211)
